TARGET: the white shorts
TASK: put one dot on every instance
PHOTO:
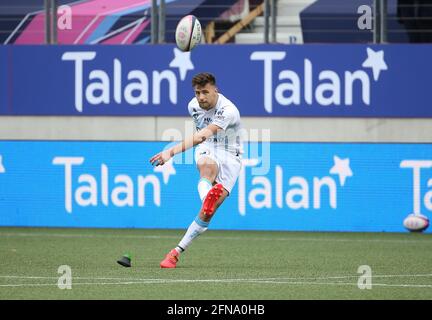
(229, 165)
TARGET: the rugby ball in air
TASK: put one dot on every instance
(416, 222)
(188, 33)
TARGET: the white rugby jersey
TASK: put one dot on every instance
(225, 115)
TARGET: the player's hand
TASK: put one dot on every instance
(161, 158)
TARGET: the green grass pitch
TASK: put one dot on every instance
(218, 265)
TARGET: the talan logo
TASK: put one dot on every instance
(85, 188)
(133, 87)
(322, 87)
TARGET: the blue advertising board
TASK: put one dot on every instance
(282, 186)
(262, 80)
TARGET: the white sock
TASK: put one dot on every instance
(204, 186)
(196, 228)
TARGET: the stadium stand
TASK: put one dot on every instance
(329, 21)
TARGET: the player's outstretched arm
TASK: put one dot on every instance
(198, 137)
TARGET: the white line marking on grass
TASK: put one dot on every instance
(246, 238)
(83, 278)
(74, 284)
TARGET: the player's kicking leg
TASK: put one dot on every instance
(212, 195)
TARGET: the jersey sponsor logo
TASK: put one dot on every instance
(100, 188)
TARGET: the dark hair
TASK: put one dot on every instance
(201, 79)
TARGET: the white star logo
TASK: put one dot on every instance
(2, 168)
(182, 61)
(342, 168)
(375, 60)
(167, 170)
